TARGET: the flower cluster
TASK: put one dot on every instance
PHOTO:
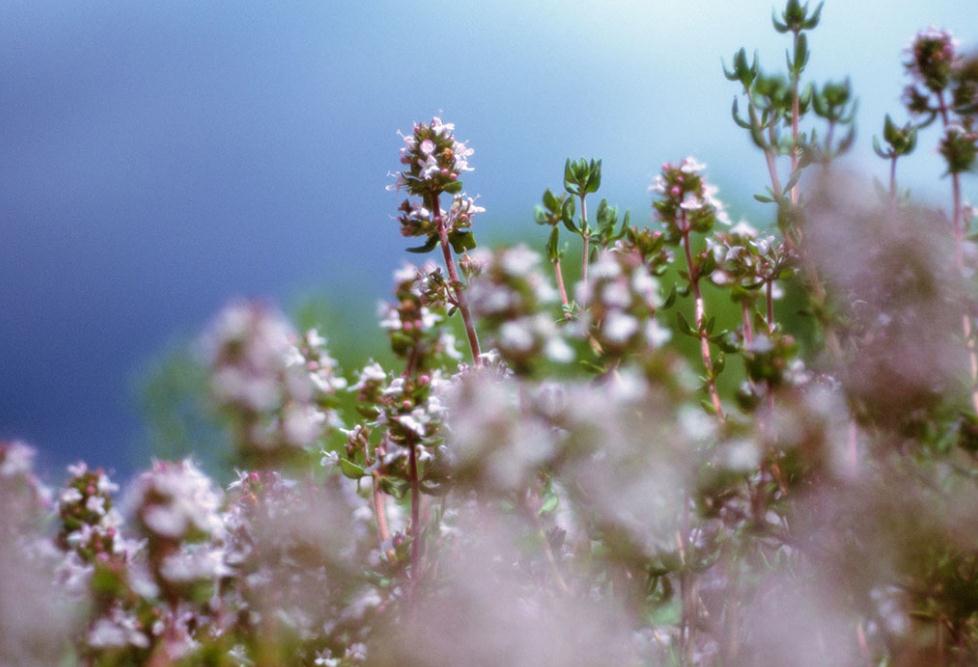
(687, 202)
(177, 510)
(931, 58)
(276, 386)
(509, 295)
(422, 299)
(620, 303)
(89, 522)
(433, 160)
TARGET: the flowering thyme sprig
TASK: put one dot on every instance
(686, 204)
(510, 296)
(176, 509)
(943, 86)
(620, 304)
(433, 162)
(89, 522)
(278, 387)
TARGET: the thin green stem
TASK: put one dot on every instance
(705, 353)
(586, 237)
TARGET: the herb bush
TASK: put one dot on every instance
(543, 478)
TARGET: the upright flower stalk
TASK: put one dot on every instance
(433, 162)
(937, 70)
(688, 205)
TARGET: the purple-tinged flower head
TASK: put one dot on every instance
(278, 386)
(686, 202)
(413, 411)
(461, 212)
(421, 302)
(620, 301)
(511, 296)
(247, 346)
(417, 220)
(89, 521)
(176, 509)
(959, 147)
(742, 259)
(312, 356)
(932, 55)
(432, 160)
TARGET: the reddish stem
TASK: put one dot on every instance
(456, 284)
(745, 319)
(560, 282)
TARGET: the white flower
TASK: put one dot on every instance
(70, 496)
(96, 505)
(519, 260)
(691, 165)
(744, 228)
(691, 202)
(656, 334)
(516, 336)
(618, 327)
(17, 459)
(558, 350)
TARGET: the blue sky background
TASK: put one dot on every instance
(160, 158)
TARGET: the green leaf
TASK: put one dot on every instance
(552, 252)
(550, 201)
(462, 240)
(351, 469)
(393, 487)
(428, 246)
(670, 299)
(549, 504)
(594, 176)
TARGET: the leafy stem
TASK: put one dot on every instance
(456, 284)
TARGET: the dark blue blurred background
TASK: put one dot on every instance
(159, 158)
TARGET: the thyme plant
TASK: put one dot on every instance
(566, 487)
